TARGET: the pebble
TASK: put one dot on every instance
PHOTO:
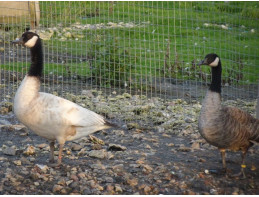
(42, 168)
(118, 132)
(9, 151)
(42, 146)
(98, 166)
(17, 162)
(30, 150)
(100, 154)
(57, 188)
(132, 182)
(108, 179)
(74, 177)
(87, 93)
(116, 147)
(62, 182)
(109, 187)
(76, 147)
(214, 192)
(118, 188)
(196, 145)
(147, 189)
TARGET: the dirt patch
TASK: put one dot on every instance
(156, 150)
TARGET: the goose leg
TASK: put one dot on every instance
(243, 166)
(51, 145)
(223, 170)
(223, 157)
(59, 156)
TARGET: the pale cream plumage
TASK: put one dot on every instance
(50, 116)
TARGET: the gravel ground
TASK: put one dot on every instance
(156, 150)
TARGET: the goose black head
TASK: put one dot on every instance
(210, 60)
(28, 39)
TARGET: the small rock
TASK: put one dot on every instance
(63, 191)
(108, 179)
(189, 120)
(6, 107)
(126, 95)
(42, 168)
(118, 188)
(9, 151)
(110, 189)
(96, 140)
(41, 146)
(110, 155)
(76, 147)
(87, 93)
(147, 168)
(132, 182)
(62, 182)
(5, 122)
(147, 189)
(116, 147)
(184, 149)
(57, 188)
(3, 159)
(96, 146)
(118, 132)
(69, 182)
(133, 125)
(17, 162)
(30, 150)
(100, 154)
(214, 192)
(74, 177)
(82, 152)
(196, 145)
(98, 166)
(68, 35)
(81, 175)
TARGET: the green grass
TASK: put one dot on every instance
(171, 35)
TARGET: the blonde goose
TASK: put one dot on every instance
(49, 116)
(225, 127)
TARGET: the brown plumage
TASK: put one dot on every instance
(225, 127)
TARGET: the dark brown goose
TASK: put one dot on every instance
(225, 127)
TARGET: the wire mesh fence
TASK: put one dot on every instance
(146, 48)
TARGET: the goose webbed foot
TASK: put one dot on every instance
(241, 174)
(51, 161)
(54, 165)
(220, 171)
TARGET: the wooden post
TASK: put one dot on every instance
(31, 5)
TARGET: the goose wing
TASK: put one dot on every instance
(238, 115)
(241, 122)
(69, 113)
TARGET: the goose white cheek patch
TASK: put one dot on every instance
(215, 62)
(30, 43)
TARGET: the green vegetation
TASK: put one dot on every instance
(166, 39)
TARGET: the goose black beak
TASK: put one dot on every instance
(17, 41)
(201, 63)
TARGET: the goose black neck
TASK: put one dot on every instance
(215, 85)
(36, 60)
